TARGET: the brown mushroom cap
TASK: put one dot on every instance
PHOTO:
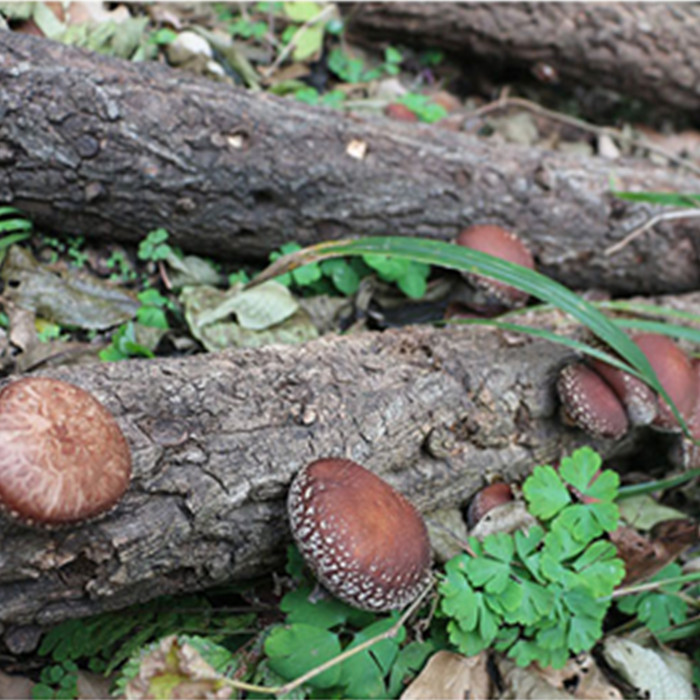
(590, 403)
(487, 499)
(63, 458)
(496, 241)
(675, 373)
(364, 541)
(638, 398)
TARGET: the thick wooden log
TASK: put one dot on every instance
(217, 438)
(646, 50)
(95, 146)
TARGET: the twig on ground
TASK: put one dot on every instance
(663, 216)
(288, 687)
(504, 101)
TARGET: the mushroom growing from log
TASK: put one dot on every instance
(589, 403)
(363, 540)
(676, 375)
(494, 240)
(639, 399)
(63, 458)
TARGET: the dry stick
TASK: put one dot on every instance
(505, 101)
(268, 72)
(288, 687)
(664, 216)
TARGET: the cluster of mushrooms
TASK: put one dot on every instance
(605, 402)
(63, 458)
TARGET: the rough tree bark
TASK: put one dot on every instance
(217, 438)
(95, 146)
(647, 50)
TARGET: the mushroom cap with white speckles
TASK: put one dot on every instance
(63, 458)
(496, 241)
(638, 398)
(590, 403)
(363, 540)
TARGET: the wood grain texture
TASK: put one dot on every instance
(216, 440)
(647, 50)
(105, 148)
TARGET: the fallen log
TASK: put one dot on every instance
(104, 148)
(217, 438)
(646, 50)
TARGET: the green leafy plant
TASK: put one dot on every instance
(57, 681)
(123, 269)
(353, 70)
(541, 595)
(423, 107)
(13, 221)
(124, 345)
(152, 309)
(319, 631)
(104, 642)
(661, 608)
(154, 246)
(344, 275)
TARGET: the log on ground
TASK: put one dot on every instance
(104, 148)
(217, 438)
(646, 50)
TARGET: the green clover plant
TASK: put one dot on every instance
(540, 595)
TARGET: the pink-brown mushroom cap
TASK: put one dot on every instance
(63, 458)
(364, 541)
(639, 399)
(676, 375)
(496, 241)
(590, 403)
(487, 499)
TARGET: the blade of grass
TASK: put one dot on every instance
(692, 334)
(457, 257)
(647, 310)
(548, 335)
(659, 485)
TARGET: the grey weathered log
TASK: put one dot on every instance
(217, 438)
(646, 50)
(104, 148)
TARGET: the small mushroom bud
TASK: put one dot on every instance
(363, 540)
(63, 458)
(400, 112)
(639, 399)
(676, 375)
(496, 241)
(485, 500)
(589, 403)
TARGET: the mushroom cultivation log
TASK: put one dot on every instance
(105, 148)
(216, 440)
(646, 50)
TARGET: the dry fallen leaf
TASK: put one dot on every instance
(15, 687)
(176, 670)
(508, 518)
(646, 555)
(647, 670)
(526, 684)
(451, 676)
(582, 678)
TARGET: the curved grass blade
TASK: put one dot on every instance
(673, 331)
(640, 309)
(572, 343)
(457, 257)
